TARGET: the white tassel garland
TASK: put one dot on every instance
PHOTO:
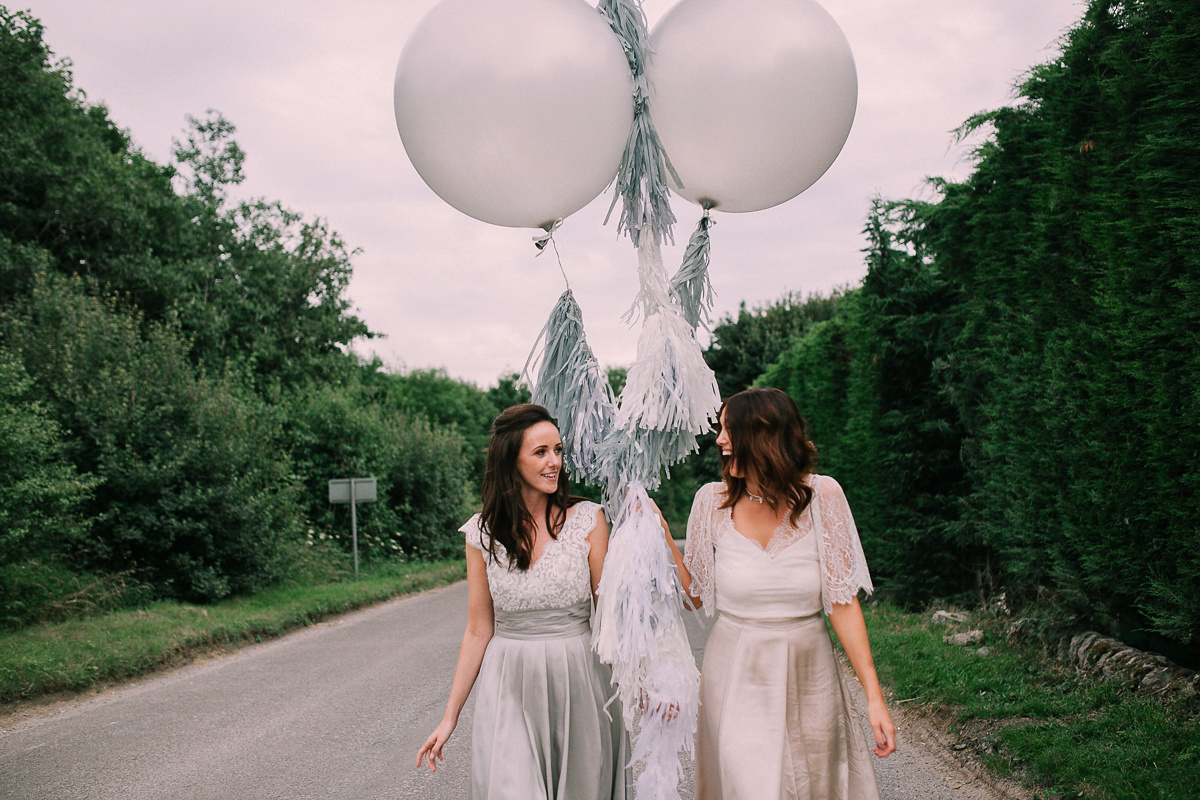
(669, 386)
(639, 631)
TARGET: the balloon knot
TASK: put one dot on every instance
(542, 240)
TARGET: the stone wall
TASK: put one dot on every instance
(1147, 673)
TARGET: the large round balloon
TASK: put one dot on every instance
(753, 99)
(514, 112)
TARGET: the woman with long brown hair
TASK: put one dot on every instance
(534, 553)
(771, 547)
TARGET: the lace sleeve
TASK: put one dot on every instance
(843, 565)
(699, 552)
(473, 533)
(580, 524)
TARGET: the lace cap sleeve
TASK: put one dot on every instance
(581, 523)
(699, 552)
(843, 565)
(474, 533)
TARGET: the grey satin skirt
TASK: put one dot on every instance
(541, 729)
(777, 721)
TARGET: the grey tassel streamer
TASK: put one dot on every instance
(591, 420)
(641, 181)
(691, 288)
(642, 456)
(572, 387)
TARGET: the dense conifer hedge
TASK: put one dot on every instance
(1013, 395)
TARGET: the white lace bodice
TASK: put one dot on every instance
(558, 579)
(843, 566)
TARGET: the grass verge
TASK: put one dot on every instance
(1027, 716)
(81, 654)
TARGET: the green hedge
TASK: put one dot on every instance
(1021, 410)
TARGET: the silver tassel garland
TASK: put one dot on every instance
(572, 387)
(691, 288)
(641, 182)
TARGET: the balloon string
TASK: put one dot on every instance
(542, 239)
(558, 256)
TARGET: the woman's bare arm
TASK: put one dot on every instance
(480, 626)
(851, 630)
(598, 549)
(685, 577)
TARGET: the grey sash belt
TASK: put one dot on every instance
(544, 623)
(772, 624)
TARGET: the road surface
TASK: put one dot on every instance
(335, 712)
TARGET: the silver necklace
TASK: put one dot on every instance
(755, 497)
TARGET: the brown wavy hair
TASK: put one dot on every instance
(769, 440)
(505, 520)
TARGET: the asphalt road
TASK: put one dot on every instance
(331, 712)
(334, 712)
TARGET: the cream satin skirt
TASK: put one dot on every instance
(541, 730)
(777, 721)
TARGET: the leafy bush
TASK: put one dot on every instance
(422, 473)
(158, 347)
(41, 493)
(194, 492)
(1025, 385)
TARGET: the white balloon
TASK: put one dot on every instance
(514, 112)
(753, 99)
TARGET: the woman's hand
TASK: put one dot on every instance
(432, 749)
(885, 731)
(668, 710)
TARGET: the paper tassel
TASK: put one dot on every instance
(669, 386)
(670, 396)
(691, 288)
(641, 181)
(654, 292)
(639, 632)
(670, 692)
(591, 420)
(641, 456)
(572, 387)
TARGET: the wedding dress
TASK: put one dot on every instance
(777, 721)
(541, 729)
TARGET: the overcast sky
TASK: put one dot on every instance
(309, 87)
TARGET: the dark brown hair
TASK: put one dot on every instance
(769, 441)
(505, 520)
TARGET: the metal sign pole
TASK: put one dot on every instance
(353, 491)
(354, 526)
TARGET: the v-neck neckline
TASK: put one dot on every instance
(770, 550)
(552, 539)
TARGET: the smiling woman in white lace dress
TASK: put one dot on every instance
(541, 730)
(770, 547)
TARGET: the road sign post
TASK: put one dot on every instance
(352, 491)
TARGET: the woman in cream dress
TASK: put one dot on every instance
(771, 547)
(541, 730)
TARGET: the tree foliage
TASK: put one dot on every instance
(742, 348)
(41, 493)
(178, 382)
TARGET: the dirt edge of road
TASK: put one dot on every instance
(929, 728)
